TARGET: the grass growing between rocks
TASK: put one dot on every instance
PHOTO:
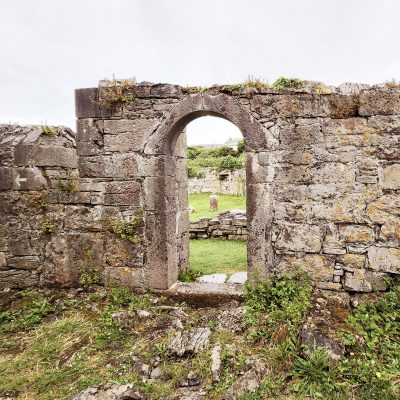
(55, 344)
(212, 256)
(201, 203)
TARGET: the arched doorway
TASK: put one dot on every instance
(217, 202)
(166, 194)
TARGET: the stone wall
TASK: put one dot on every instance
(230, 225)
(225, 182)
(322, 184)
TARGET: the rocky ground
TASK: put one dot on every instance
(98, 344)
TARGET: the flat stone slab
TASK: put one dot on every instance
(238, 278)
(213, 278)
(204, 294)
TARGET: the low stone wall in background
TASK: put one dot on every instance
(231, 225)
(225, 182)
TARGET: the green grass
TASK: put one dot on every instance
(57, 343)
(201, 203)
(211, 256)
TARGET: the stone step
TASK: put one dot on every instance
(204, 294)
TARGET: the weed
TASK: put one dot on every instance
(49, 130)
(47, 227)
(123, 297)
(88, 271)
(37, 201)
(251, 82)
(256, 83)
(373, 347)
(126, 230)
(282, 83)
(68, 185)
(117, 93)
(323, 89)
(195, 89)
(188, 275)
(33, 308)
(284, 299)
(315, 375)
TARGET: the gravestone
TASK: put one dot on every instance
(213, 203)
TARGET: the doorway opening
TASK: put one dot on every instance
(216, 201)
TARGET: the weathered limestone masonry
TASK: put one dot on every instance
(225, 182)
(323, 186)
(230, 225)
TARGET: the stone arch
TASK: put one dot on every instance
(167, 219)
(164, 137)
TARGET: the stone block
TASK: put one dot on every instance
(22, 179)
(88, 149)
(45, 156)
(122, 193)
(164, 90)
(74, 198)
(123, 253)
(361, 280)
(67, 253)
(390, 230)
(18, 279)
(3, 260)
(352, 260)
(86, 103)
(319, 267)
(300, 237)
(381, 209)
(385, 123)
(389, 177)
(334, 173)
(356, 233)
(124, 276)
(349, 126)
(379, 102)
(384, 259)
(19, 245)
(88, 130)
(25, 262)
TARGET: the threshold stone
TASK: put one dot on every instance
(238, 278)
(213, 278)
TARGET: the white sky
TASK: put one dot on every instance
(50, 47)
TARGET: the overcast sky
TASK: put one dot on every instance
(50, 47)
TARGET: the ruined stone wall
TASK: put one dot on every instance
(225, 182)
(229, 225)
(323, 183)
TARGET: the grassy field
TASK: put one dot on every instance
(201, 203)
(211, 256)
(54, 344)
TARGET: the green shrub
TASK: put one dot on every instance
(240, 147)
(222, 151)
(194, 151)
(283, 82)
(284, 299)
(229, 163)
(193, 172)
(188, 275)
